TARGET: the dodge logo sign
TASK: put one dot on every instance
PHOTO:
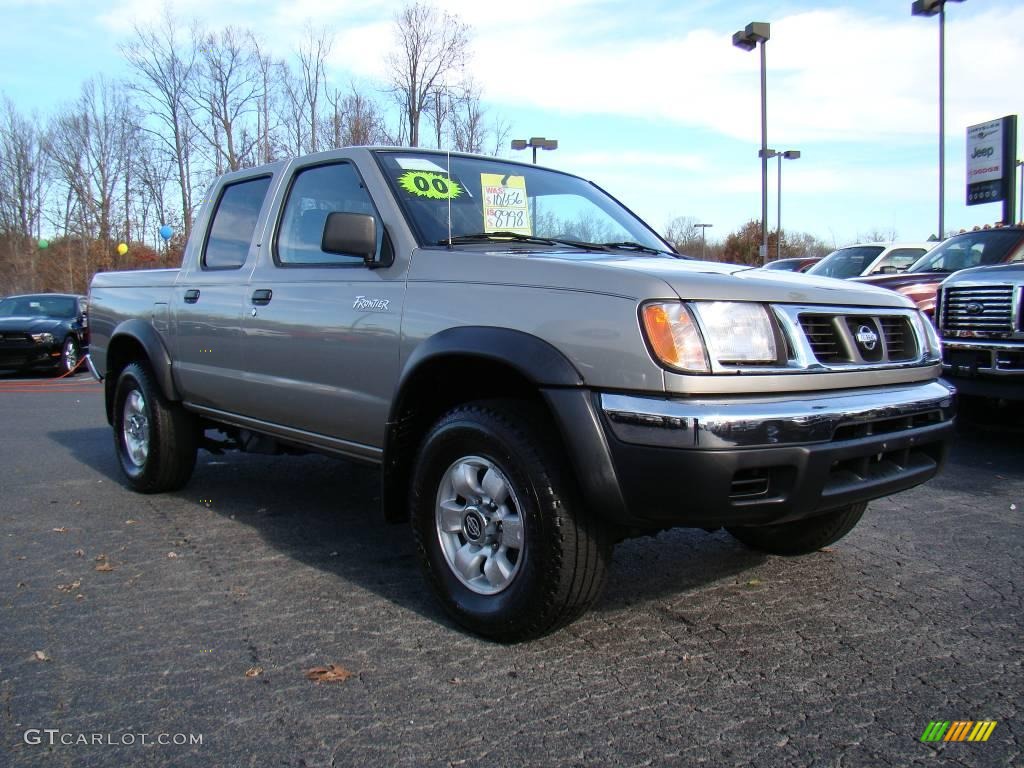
(866, 338)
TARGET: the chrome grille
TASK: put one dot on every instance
(986, 308)
(834, 339)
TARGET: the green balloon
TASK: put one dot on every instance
(44, 244)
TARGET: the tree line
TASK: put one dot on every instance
(127, 157)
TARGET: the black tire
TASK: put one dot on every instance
(171, 435)
(566, 552)
(69, 356)
(801, 537)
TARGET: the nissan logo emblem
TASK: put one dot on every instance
(473, 526)
(867, 338)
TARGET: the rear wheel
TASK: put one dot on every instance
(156, 440)
(506, 547)
(801, 537)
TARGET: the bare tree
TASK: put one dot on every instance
(164, 70)
(23, 172)
(225, 91)
(431, 49)
(312, 56)
(355, 119)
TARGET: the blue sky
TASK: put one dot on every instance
(650, 99)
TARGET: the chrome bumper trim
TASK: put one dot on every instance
(777, 421)
(92, 368)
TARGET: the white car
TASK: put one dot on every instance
(865, 259)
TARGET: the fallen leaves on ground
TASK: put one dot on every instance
(332, 673)
(62, 529)
(130, 522)
(254, 671)
(103, 566)
(79, 553)
(755, 582)
(70, 587)
(40, 656)
(172, 555)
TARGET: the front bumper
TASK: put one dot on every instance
(985, 368)
(753, 461)
(29, 356)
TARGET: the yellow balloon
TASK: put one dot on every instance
(122, 249)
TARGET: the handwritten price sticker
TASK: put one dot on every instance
(428, 184)
(506, 206)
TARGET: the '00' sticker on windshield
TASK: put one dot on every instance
(429, 184)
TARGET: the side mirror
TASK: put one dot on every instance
(351, 233)
(888, 269)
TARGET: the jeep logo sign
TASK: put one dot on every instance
(990, 169)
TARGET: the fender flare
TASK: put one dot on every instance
(540, 363)
(149, 339)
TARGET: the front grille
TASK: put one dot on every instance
(986, 308)
(824, 338)
(14, 339)
(876, 339)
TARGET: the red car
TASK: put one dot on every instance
(977, 248)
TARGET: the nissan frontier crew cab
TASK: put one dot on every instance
(536, 372)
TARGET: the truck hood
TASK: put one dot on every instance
(902, 279)
(692, 279)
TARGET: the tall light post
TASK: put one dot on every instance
(759, 32)
(537, 142)
(1020, 164)
(702, 228)
(789, 154)
(931, 8)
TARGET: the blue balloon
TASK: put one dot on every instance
(166, 231)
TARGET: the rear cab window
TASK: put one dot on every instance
(234, 222)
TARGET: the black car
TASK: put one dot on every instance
(43, 331)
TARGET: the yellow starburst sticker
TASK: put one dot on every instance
(429, 184)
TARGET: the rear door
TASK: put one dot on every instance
(322, 330)
(209, 298)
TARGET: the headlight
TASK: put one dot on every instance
(737, 331)
(729, 332)
(42, 338)
(673, 336)
(929, 337)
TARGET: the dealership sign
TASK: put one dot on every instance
(991, 155)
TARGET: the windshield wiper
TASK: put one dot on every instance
(519, 238)
(629, 244)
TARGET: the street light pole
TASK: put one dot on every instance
(754, 34)
(789, 154)
(703, 228)
(931, 8)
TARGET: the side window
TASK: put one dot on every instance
(234, 222)
(316, 192)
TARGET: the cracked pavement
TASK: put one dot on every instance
(701, 652)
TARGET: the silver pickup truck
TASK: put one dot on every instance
(535, 371)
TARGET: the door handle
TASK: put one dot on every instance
(191, 295)
(262, 297)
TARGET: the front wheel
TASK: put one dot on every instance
(156, 440)
(505, 545)
(68, 356)
(801, 537)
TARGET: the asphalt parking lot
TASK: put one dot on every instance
(201, 612)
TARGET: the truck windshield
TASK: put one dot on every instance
(847, 262)
(971, 249)
(493, 200)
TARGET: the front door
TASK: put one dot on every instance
(321, 330)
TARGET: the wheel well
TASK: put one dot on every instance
(432, 390)
(123, 351)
